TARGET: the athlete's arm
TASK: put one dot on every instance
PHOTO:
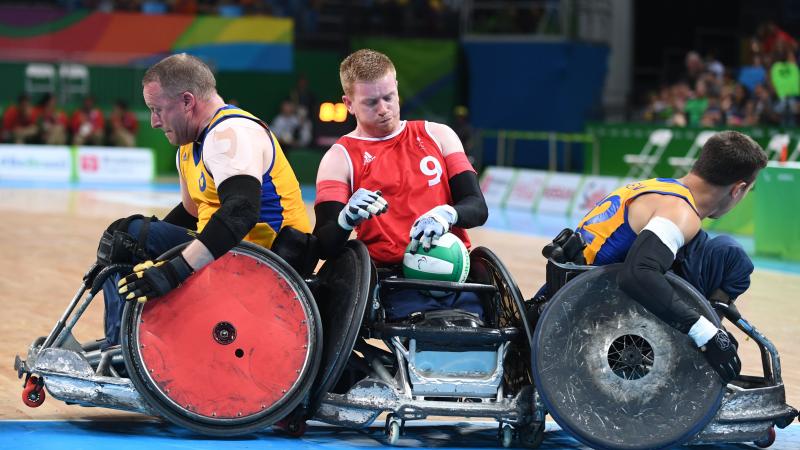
(653, 252)
(236, 152)
(468, 201)
(664, 223)
(333, 191)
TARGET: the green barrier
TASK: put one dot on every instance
(617, 140)
(305, 163)
(777, 212)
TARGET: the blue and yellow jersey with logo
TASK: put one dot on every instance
(606, 230)
(281, 202)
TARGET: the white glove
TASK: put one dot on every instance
(363, 204)
(432, 225)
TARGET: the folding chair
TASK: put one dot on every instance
(40, 78)
(776, 145)
(642, 164)
(795, 153)
(683, 164)
(73, 80)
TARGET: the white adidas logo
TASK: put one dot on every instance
(368, 158)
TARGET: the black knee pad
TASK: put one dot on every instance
(298, 249)
(118, 246)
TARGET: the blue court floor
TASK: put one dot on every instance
(80, 435)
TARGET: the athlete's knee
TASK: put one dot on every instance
(124, 241)
(737, 265)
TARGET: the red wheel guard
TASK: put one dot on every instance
(231, 342)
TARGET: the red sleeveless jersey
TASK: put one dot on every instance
(409, 170)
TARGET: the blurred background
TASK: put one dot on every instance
(556, 101)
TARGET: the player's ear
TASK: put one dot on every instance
(188, 100)
(348, 102)
(739, 189)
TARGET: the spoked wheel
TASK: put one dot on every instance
(508, 311)
(231, 351)
(612, 374)
(33, 394)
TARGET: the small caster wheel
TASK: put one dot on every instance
(768, 440)
(293, 427)
(33, 394)
(393, 429)
(506, 435)
(531, 436)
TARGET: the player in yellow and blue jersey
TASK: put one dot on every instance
(653, 226)
(235, 181)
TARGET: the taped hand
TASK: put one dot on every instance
(363, 204)
(150, 280)
(432, 225)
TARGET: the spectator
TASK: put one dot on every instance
(763, 109)
(51, 123)
(695, 67)
(753, 75)
(785, 77)
(735, 105)
(712, 115)
(696, 106)
(123, 125)
(19, 122)
(303, 97)
(307, 106)
(291, 126)
(771, 36)
(87, 124)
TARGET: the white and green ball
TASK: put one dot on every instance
(446, 260)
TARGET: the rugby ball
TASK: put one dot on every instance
(446, 260)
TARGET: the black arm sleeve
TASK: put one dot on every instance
(240, 201)
(180, 216)
(468, 198)
(331, 237)
(642, 278)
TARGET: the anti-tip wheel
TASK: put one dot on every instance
(392, 430)
(768, 440)
(506, 436)
(33, 394)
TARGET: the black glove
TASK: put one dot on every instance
(720, 351)
(150, 280)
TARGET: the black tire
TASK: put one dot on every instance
(614, 375)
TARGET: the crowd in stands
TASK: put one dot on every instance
(763, 92)
(43, 122)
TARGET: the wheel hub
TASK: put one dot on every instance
(630, 357)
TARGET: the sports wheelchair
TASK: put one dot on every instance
(247, 343)
(615, 376)
(240, 346)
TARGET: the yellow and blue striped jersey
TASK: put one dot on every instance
(281, 202)
(605, 228)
